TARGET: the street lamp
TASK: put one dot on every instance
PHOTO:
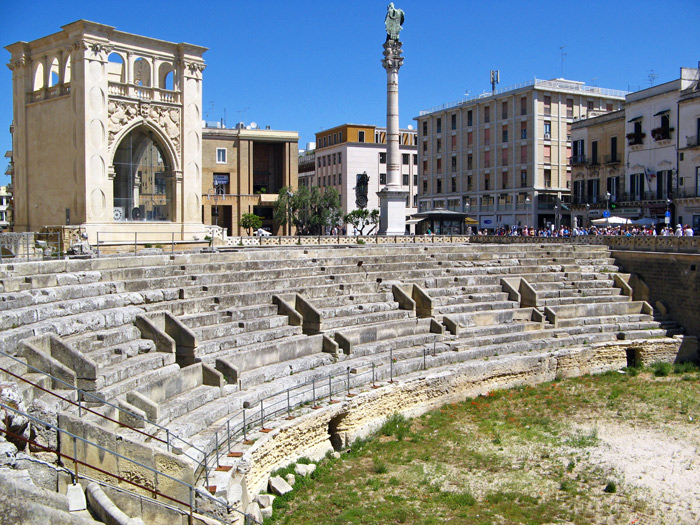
(215, 209)
(667, 217)
(607, 203)
(588, 215)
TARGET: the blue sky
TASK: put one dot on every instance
(311, 65)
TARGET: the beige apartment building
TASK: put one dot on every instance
(503, 157)
(107, 133)
(598, 168)
(345, 152)
(243, 171)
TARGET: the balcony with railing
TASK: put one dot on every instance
(662, 133)
(577, 160)
(692, 141)
(612, 159)
(59, 90)
(117, 89)
(634, 139)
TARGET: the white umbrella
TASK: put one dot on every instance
(611, 221)
(646, 221)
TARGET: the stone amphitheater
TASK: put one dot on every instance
(166, 388)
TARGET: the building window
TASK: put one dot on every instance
(454, 185)
(438, 183)
(569, 108)
(487, 182)
(547, 154)
(425, 186)
(613, 186)
(523, 130)
(608, 106)
(340, 136)
(470, 139)
(438, 166)
(340, 157)
(405, 179)
(547, 105)
(589, 105)
(439, 145)
(382, 157)
(454, 142)
(594, 152)
(487, 159)
(324, 161)
(415, 159)
(335, 138)
(425, 146)
(425, 128)
(637, 186)
(221, 155)
(636, 137)
(523, 106)
(504, 157)
(504, 183)
(340, 178)
(454, 164)
(523, 179)
(405, 158)
(415, 179)
(547, 129)
(438, 125)
(319, 162)
(334, 159)
(470, 161)
(613, 149)
(469, 118)
(487, 114)
(504, 110)
(382, 178)
(547, 178)
(663, 132)
(360, 136)
(487, 137)
(523, 154)
(453, 120)
(469, 183)
(504, 134)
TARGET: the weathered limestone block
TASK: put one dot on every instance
(279, 486)
(17, 426)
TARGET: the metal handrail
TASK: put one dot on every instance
(191, 489)
(80, 392)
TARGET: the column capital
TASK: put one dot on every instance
(392, 56)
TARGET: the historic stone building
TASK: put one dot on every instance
(243, 171)
(503, 157)
(598, 168)
(107, 133)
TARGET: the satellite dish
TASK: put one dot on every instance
(253, 125)
(410, 126)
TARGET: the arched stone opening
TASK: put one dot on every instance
(38, 76)
(336, 435)
(54, 76)
(143, 178)
(166, 76)
(115, 68)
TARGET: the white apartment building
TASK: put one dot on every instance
(347, 151)
(687, 198)
(503, 157)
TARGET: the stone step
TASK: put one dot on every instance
(475, 307)
(186, 402)
(336, 312)
(118, 379)
(91, 341)
(207, 350)
(583, 299)
(395, 344)
(468, 298)
(385, 316)
(352, 299)
(226, 329)
(118, 353)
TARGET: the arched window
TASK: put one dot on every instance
(165, 76)
(66, 70)
(142, 72)
(115, 68)
(54, 78)
(143, 182)
(39, 76)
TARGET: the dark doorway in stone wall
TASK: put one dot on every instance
(337, 441)
(634, 358)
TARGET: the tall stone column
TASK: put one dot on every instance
(392, 198)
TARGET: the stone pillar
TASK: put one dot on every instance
(392, 198)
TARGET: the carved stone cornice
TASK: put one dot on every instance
(121, 114)
(18, 63)
(392, 56)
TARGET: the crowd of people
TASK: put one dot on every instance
(565, 231)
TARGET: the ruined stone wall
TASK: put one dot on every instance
(672, 278)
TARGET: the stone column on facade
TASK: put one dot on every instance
(392, 198)
(21, 77)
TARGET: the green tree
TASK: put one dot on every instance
(309, 210)
(250, 221)
(363, 218)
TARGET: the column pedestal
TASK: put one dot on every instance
(392, 211)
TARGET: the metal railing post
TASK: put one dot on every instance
(245, 437)
(373, 376)
(289, 408)
(216, 449)
(391, 366)
(313, 391)
(135, 242)
(167, 439)
(262, 415)
(98, 244)
(348, 374)
(172, 243)
(330, 388)
(424, 352)
(228, 435)
(26, 236)
(80, 404)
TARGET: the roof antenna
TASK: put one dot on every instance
(495, 79)
(652, 77)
